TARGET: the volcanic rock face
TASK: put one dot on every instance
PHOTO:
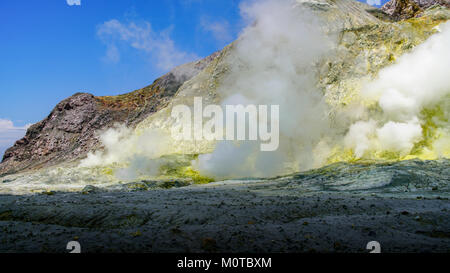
(366, 44)
(405, 9)
(368, 41)
(339, 207)
(428, 3)
(71, 129)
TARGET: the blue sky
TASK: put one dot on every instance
(52, 49)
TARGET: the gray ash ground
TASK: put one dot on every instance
(339, 208)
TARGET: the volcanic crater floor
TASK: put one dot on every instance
(286, 214)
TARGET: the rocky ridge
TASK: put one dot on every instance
(369, 40)
(405, 9)
(71, 130)
(366, 44)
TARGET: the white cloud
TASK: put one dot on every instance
(73, 2)
(219, 29)
(112, 54)
(6, 124)
(374, 2)
(160, 47)
(9, 134)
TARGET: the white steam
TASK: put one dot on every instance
(358, 136)
(399, 136)
(274, 63)
(137, 151)
(417, 81)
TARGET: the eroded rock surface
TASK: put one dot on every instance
(71, 130)
(405, 9)
(367, 42)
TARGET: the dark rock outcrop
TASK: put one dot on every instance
(71, 130)
(405, 9)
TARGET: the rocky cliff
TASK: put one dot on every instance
(130, 198)
(405, 9)
(369, 39)
(72, 128)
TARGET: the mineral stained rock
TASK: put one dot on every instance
(366, 44)
(405, 9)
(337, 208)
(368, 40)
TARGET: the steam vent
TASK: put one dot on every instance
(362, 150)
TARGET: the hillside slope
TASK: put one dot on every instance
(71, 130)
(368, 40)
